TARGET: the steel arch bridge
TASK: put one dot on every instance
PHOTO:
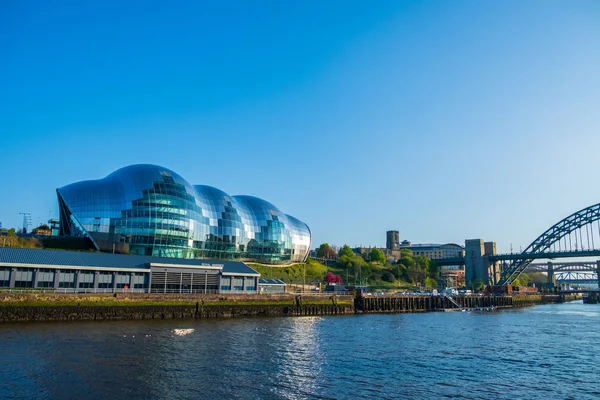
(576, 278)
(582, 266)
(579, 272)
(573, 236)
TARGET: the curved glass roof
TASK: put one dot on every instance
(151, 210)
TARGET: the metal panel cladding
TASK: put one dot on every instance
(151, 210)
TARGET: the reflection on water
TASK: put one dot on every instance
(543, 352)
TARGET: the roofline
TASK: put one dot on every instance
(56, 266)
(165, 265)
(240, 273)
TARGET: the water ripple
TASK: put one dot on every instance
(549, 351)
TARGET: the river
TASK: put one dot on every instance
(543, 352)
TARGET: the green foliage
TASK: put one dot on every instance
(423, 263)
(476, 284)
(403, 274)
(434, 269)
(407, 261)
(310, 271)
(431, 283)
(522, 280)
(415, 269)
(406, 253)
(346, 251)
(387, 276)
(376, 255)
(537, 277)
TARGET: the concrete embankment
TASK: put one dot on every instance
(100, 313)
(73, 307)
(99, 307)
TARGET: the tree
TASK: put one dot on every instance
(377, 255)
(434, 269)
(407, 261)
(416, 274)
(524, 278)
(406, 253)
(476, 284)
(387, 276)
(325, 251)
(537, 278)
(331, 278)
(431, 283)
(346, 251)
(423, 263)
(402, 273)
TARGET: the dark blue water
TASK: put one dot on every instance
(543, 352)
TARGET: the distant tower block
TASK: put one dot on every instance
(392, 240)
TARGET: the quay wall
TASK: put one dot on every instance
(135, 306)
(101, 313)
(381, 304)
(75, 307)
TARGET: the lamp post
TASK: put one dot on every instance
(304, 278)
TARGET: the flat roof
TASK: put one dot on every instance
(84, 259)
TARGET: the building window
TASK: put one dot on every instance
(23, 284)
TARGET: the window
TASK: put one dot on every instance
(23, 278)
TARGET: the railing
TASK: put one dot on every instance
(452, 301)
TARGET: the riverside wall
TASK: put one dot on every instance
(102, 313)
(94, 307)
(16, 307)
(384, 304)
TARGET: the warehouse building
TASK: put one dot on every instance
(71, 271)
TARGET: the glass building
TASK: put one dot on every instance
(151, 210)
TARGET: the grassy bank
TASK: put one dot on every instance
(314, 272)
(145, 300)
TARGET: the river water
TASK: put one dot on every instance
(542, 352)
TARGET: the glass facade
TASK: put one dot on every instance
(151, 210)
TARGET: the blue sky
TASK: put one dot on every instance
(443, 120)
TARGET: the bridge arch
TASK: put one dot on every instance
(565, 235)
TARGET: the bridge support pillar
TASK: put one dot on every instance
(550, 280)
(598, 272)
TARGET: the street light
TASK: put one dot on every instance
(304, 277)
